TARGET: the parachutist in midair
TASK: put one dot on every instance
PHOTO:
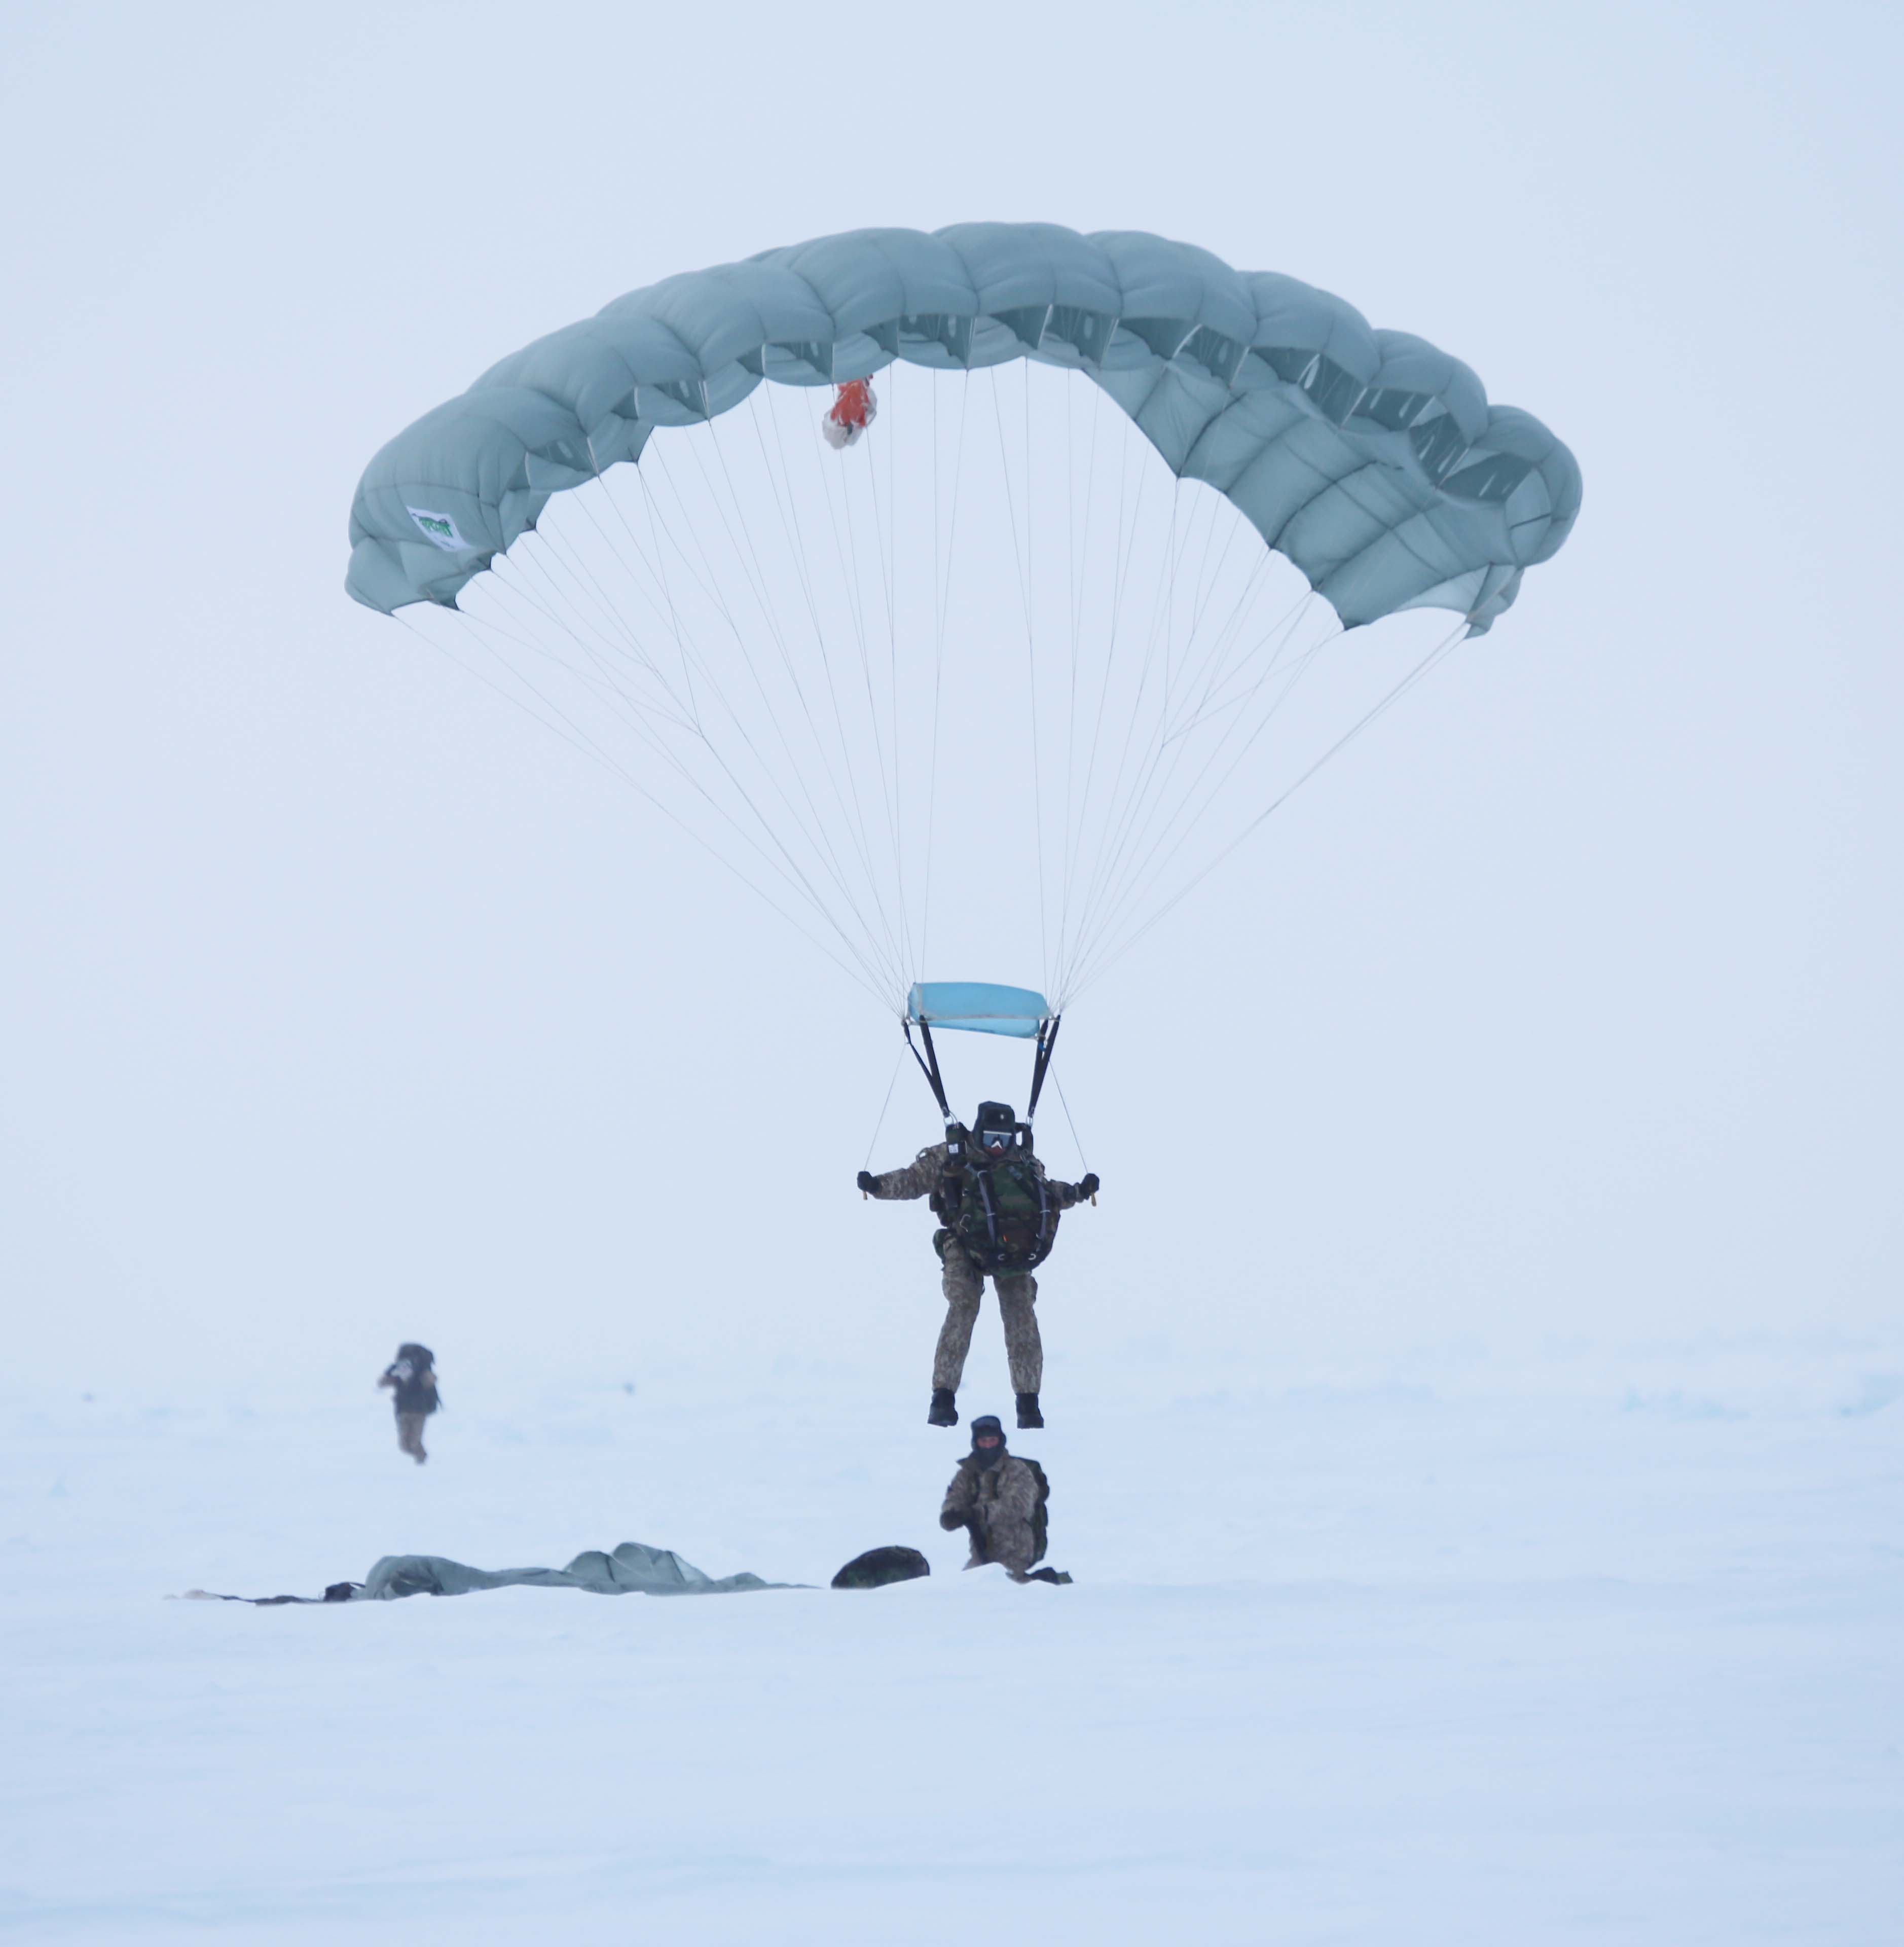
(998, 1217)
(999, 1499)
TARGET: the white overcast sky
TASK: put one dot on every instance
(339, 1005)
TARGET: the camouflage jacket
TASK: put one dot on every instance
(1002, 1508)
(921, 1176)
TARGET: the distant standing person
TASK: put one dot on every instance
(412, 1375)
(1000, 1501)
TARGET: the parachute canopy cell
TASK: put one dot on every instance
(1370, 459)
(978, 1007)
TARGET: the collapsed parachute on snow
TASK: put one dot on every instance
(1023, 644)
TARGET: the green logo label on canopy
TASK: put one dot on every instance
(441, 528)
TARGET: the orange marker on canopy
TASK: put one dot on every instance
(854, 408)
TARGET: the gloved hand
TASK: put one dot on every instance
(1088, 1184)
(866, 1182)
(952, 1523)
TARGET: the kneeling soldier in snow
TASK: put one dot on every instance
(998, 1212)
(1000, 1501)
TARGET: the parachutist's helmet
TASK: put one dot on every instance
(994, 1127)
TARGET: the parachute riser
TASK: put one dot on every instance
(1047, 1041)
(928, 1066)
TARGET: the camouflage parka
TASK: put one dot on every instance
(1002, 1507)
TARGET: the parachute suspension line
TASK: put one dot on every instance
(1020, 557)
(1202, 676)
(500, 589)
(788, 869)
(851, 572)
(1199, 595)
(581, 586)
(669, 615)
(1123, 800)
(938, 657)
(640, 719)
(1146, 868)
(751, 568)
(579, 740)
(1075, 591)
(558, 723)
(1151, 792)
(898, 1062)
(886, 540)
(787, 503)
(1203, 567)
(1281, 634)
(848, 558)
(641, 723)
(1121, 633)
(1429, 663)
(656, 568)
(1072, 1126)
(585, 578)
(1119, 577)
(942, 600)
(519, 566)
(1239, 526)
(1152, 807)
(627, 566)
(814, 827)
(638, 552)
(1071, 625)
(1030, 583)
(1154, 866)
(1217, 667)
(690, 659)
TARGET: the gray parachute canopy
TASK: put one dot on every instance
(1370, 459)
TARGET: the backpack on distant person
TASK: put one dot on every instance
(413, 1374)
(1041, 1522)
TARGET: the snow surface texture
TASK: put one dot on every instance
(1601, 1649)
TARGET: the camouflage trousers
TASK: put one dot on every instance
(409, 1435)
(964, 1285)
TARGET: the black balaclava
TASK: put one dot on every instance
(987, 1457)
(420, 1355)
(998, 1115)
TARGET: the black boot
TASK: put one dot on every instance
(942, 1412)
(1028, 1413)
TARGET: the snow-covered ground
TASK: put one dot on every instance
(1602, 1646)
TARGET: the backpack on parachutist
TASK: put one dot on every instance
(1001, 1213)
